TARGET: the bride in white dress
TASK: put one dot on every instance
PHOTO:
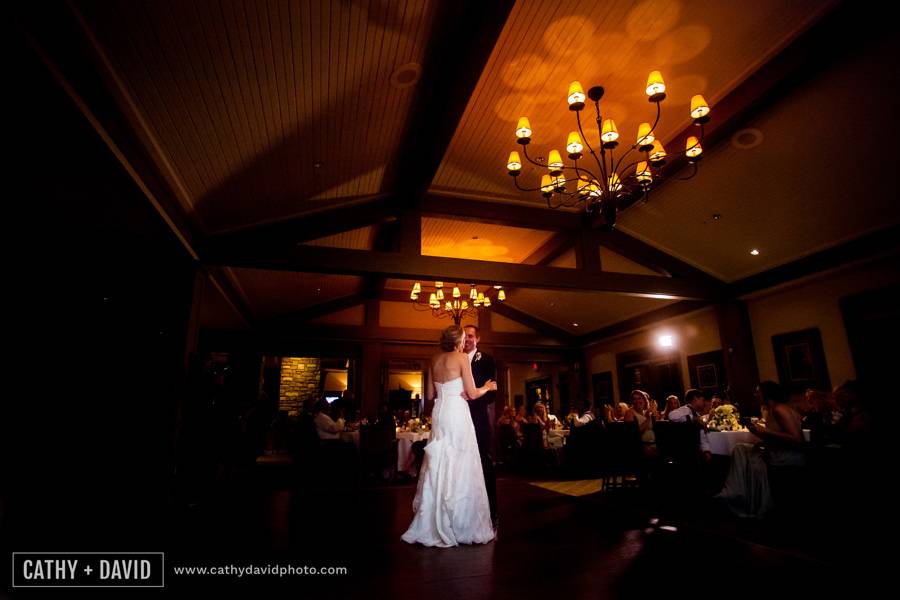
(451, 502)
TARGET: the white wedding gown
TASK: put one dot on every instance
(451, 502)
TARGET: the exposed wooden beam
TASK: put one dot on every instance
(463, 209)
(423, 336)
(410, 234)
(587, 250)
(879, 243)
(232, 294)
(644, 320)
(501, 308)
(539, 325)
(457, 51)
(360, 262)
(309, 313)
(58, 36)
(307, 227)
(347, 336)
(653, 258)
(552, 249)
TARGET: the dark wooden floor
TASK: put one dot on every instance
(550, 545)
(625, 545)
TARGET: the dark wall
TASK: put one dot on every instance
(102, 293)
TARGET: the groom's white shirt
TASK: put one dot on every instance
(471, 354)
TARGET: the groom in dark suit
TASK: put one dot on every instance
(483, 368)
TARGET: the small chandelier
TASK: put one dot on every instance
(456, 306)
(615, 178)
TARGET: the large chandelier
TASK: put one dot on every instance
(456, 306)
(615, 177)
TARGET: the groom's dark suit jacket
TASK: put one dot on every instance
(483, 368)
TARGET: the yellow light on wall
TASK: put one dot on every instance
(699, 107)
(576, 96)
(574, 146)
(456, 293)
(546, 184)
(643, 174)
(656, 87)
(692, 147)
(514, 164)
(417, 287)
(645, 136)
(658, 154)
(555, 163)
(610, 133)
(501, 295)
(523, 129)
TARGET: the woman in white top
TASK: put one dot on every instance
(639, 412)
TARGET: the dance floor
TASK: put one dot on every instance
(557, 539)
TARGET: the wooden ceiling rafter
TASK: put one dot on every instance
(358, 262)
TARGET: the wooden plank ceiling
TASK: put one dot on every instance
(256, 113)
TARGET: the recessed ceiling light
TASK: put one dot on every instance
(574, 324)
(666, 341)
(406, 75)
(318, 164)
(716, 216)
(754, 252)
(747, 138)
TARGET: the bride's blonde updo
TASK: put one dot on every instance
(450, 338)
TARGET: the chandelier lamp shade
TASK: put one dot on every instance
(618, 174)
(453, 304)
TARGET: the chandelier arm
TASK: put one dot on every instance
(529, 159)
(588, 144)
(579, 169)
(656, 122)
(691, 176)
(652, 129)
(522, 189)
(550, 204)
(635, 163)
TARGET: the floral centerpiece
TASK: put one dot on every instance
(415, 425)
(724, 418)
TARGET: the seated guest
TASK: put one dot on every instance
(819, 416)
(507, 417)
(746, 490)
(326, 427)
(639, 412)
(620, 410)
(539, 416)
(672, 402)
(584, 419)
(653, 408)
(521, 419)
(694, 402)
(715, 402)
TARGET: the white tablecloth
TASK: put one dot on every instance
(723, 442)
(405, 440)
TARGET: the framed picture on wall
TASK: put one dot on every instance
(800, 360)
(707, 371)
